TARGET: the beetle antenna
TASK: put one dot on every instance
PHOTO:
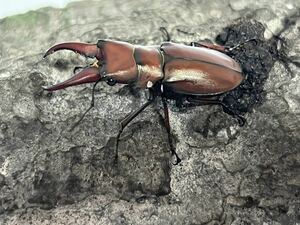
(91, 106)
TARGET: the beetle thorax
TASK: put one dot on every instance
(149, 64)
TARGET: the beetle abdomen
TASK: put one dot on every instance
(199, 71)
(199, 78)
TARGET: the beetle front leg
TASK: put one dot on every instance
(92, 104)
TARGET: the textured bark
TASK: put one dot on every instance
(229, 174)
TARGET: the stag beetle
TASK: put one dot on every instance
(199, 69)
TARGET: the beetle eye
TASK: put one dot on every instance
(111, 82)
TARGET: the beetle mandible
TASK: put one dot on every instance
(199, 69)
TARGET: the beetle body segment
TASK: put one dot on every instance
(150, 64)
(184, 69)
(199, 71)
(126, 63)
(117, 61)
(181, 68)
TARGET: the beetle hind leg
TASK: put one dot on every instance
(220, 48)
(241, 120)
(230, 49)
(204, 101)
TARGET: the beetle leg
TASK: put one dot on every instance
(91, 106)
(88, 74)
(166, 35)
(220, 48)
(130, 117)
(203, 101)
(230, 49)
(167, 125)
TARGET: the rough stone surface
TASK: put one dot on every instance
(229, 174)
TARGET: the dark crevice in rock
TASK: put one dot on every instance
(255, 59)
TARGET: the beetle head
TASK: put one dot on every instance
(115, 63)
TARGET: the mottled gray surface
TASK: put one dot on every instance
(50, 175)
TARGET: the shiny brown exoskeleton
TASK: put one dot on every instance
(200, 69)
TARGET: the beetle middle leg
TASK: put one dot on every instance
(204, 101)
(167, 125)
(130, 117)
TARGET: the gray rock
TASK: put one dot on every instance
(229, 174)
